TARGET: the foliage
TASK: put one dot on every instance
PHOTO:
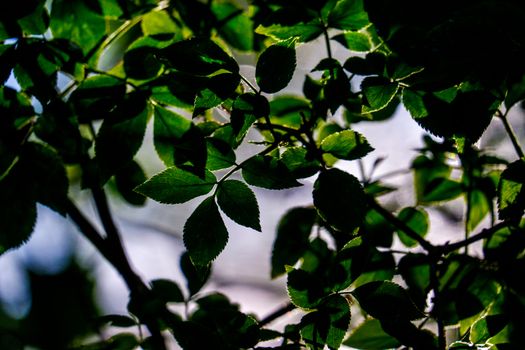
(174, 63)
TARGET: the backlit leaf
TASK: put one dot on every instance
(354, 41)
(511, 192)
(205, 235)
(175, 185)
(238, 202)
(303, 32)
(348, 15)
(417, 220)
(168, 127)
(370, 336)
(347, 144)
(196, 275)
(378, 93)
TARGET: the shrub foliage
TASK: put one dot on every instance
(92, 75)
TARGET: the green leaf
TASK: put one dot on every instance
(236, 28)
(267, 172)
(96, 96)
(142, 63)
(74, 20)
(238, 202)
(205, 235)
(511, 192)
(479, 208)
(348, 15)
(303, 32)
(305, 289)
(196, 275)
(167, 291)
(129, 178)
(275, 66)
(158, 24)
(175, 185)
(414, 103)
(246, 109)
(340, 199)
(168, 127)
(415, 270)
(487, 327)
(347, 144)
(378, 93)
(328, 324)
(121, 134)
(198, 56)
(299, 162)
(386, 300)
(292, 239)
(370, 336)
(417, 220)
(218, 88)
(220, 154)
(354, 41)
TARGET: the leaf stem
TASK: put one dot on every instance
(511, 133)
(485, 233)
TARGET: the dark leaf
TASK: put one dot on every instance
(370, 336)
(127, 179)
(305, 289)
(142, 63)
(340, 199)
(267, 172)
(511, 192)
(246, 109)
(386, 300)
(196, 275)
(299, 162)
(275, 66)
(198, 56)
(328, 324)
(175, 185)
(117, 321)
(205, 235)
(292, 239)
(487, 327)
(218, 88)
(121, 135)
(167, 291)
(238, 202)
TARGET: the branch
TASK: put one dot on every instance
(276, 314)
(429, 247)
(485, 233)
(511, 133)
(112, 250)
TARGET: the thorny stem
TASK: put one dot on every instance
(511, 133)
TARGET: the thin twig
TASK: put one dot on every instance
(511, 133)
(276, 314)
